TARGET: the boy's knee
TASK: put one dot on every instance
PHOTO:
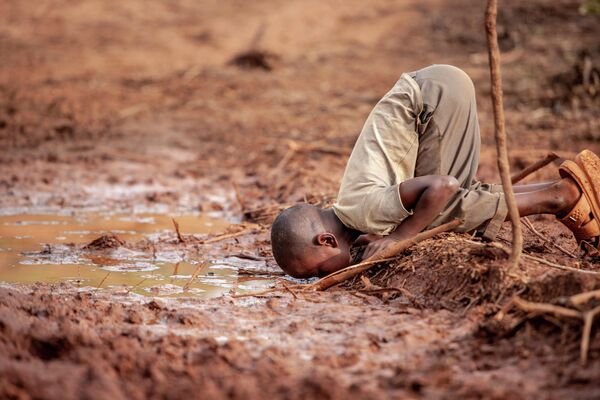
(447, 184)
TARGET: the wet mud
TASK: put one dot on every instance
(226, 113)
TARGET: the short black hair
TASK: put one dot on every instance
(292, 233)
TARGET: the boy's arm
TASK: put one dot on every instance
(427, 196)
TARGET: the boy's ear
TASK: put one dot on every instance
(327, 239)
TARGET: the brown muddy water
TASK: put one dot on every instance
(24, 237)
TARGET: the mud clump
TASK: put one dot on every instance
(438, 274)
(110, 241)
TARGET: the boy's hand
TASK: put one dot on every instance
(376, 246)
(366, 239)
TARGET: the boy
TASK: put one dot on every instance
(413, 167)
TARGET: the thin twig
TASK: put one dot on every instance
(528, 224)
(200, 267)
(500, 131)
(102, 281)
(238, 196)
(136, 285)
(584, 297)
(253, 272)
(271, 290)
(588, 321)
(559, 266)
(176, 225)
(290, 291)
(545, 308)
(225, 236)
(519, 176)
(531, 307)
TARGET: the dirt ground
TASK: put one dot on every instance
(243, 108)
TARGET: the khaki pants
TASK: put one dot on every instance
(449, 143)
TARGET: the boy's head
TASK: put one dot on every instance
(308, 241)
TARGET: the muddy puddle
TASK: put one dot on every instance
(40, 248)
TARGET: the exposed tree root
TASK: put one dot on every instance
(587, 317)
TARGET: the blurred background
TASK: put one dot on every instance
(182, 103)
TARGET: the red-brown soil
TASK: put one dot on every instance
(243, 108)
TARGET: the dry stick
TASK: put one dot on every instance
(532, 307)
(587, 316)
(349, 272)
(176, 225)
(530, 226)
(588, 321)
(500, 130)
(582, 298)
(519, 176)
(559, 266)
(251, 272)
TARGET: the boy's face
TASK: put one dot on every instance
(323, 260)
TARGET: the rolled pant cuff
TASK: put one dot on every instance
(493, 226)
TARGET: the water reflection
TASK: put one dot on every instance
(26, 258)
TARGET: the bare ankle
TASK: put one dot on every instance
(568, 195)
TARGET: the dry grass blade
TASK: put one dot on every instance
(588, 321)
(238, 196)
(290, 291)
(500, 130)
(136, 285)
(102, 281)
(199, 268)
(348, 272)
(226, 236)
(272, 290)
(176, 225)
(519, 176)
